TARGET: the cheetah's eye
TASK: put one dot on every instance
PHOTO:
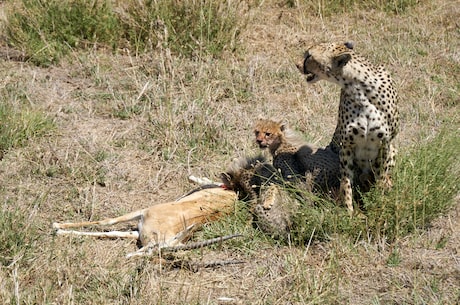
(268, 134)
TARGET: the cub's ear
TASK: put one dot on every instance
(227, 180)
(340, 60)
(283, 125)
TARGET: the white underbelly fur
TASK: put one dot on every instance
(366, 141)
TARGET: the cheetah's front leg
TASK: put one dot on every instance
(346, 171)
(384, 164)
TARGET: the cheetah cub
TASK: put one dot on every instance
(258, 183)
(297, 160)
(368, 116)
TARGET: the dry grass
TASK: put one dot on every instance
(129, 130)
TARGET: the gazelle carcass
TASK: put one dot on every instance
(166, 226)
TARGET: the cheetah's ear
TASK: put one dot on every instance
(283, 125)
(341, 60)
(350, 44)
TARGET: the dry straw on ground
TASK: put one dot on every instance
(130, 130)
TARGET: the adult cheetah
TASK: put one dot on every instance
(296, 159)
(368, 116)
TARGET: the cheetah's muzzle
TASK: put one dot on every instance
(262, 145)
(311, 77)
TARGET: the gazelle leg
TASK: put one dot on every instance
(111, 234)
(174, 241)
(203, 181)
(105, 222)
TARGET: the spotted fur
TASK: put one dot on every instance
(295, 159)
(368, 119)
(259, 184)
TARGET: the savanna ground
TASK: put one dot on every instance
(115, 131)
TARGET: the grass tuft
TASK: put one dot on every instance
(426, 181)
(189, 28)
(48, 30)
(20, 125)
(330, 8)
(14, 237)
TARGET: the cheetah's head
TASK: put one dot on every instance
(246, 175)
(268, 133)
(325, 61)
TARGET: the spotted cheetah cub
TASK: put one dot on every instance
(248, 175)
(368, 118)
(295, 159)
(259, 184)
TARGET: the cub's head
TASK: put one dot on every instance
(325, 61)
(269, 133)
(247, 175)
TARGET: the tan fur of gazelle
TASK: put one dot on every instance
(166, 225)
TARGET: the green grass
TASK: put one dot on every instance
(189, 28)
(19, 125)
(329, 8)
(425, 183)
(48, 30)
(14, 236)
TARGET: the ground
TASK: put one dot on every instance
(118, 145)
